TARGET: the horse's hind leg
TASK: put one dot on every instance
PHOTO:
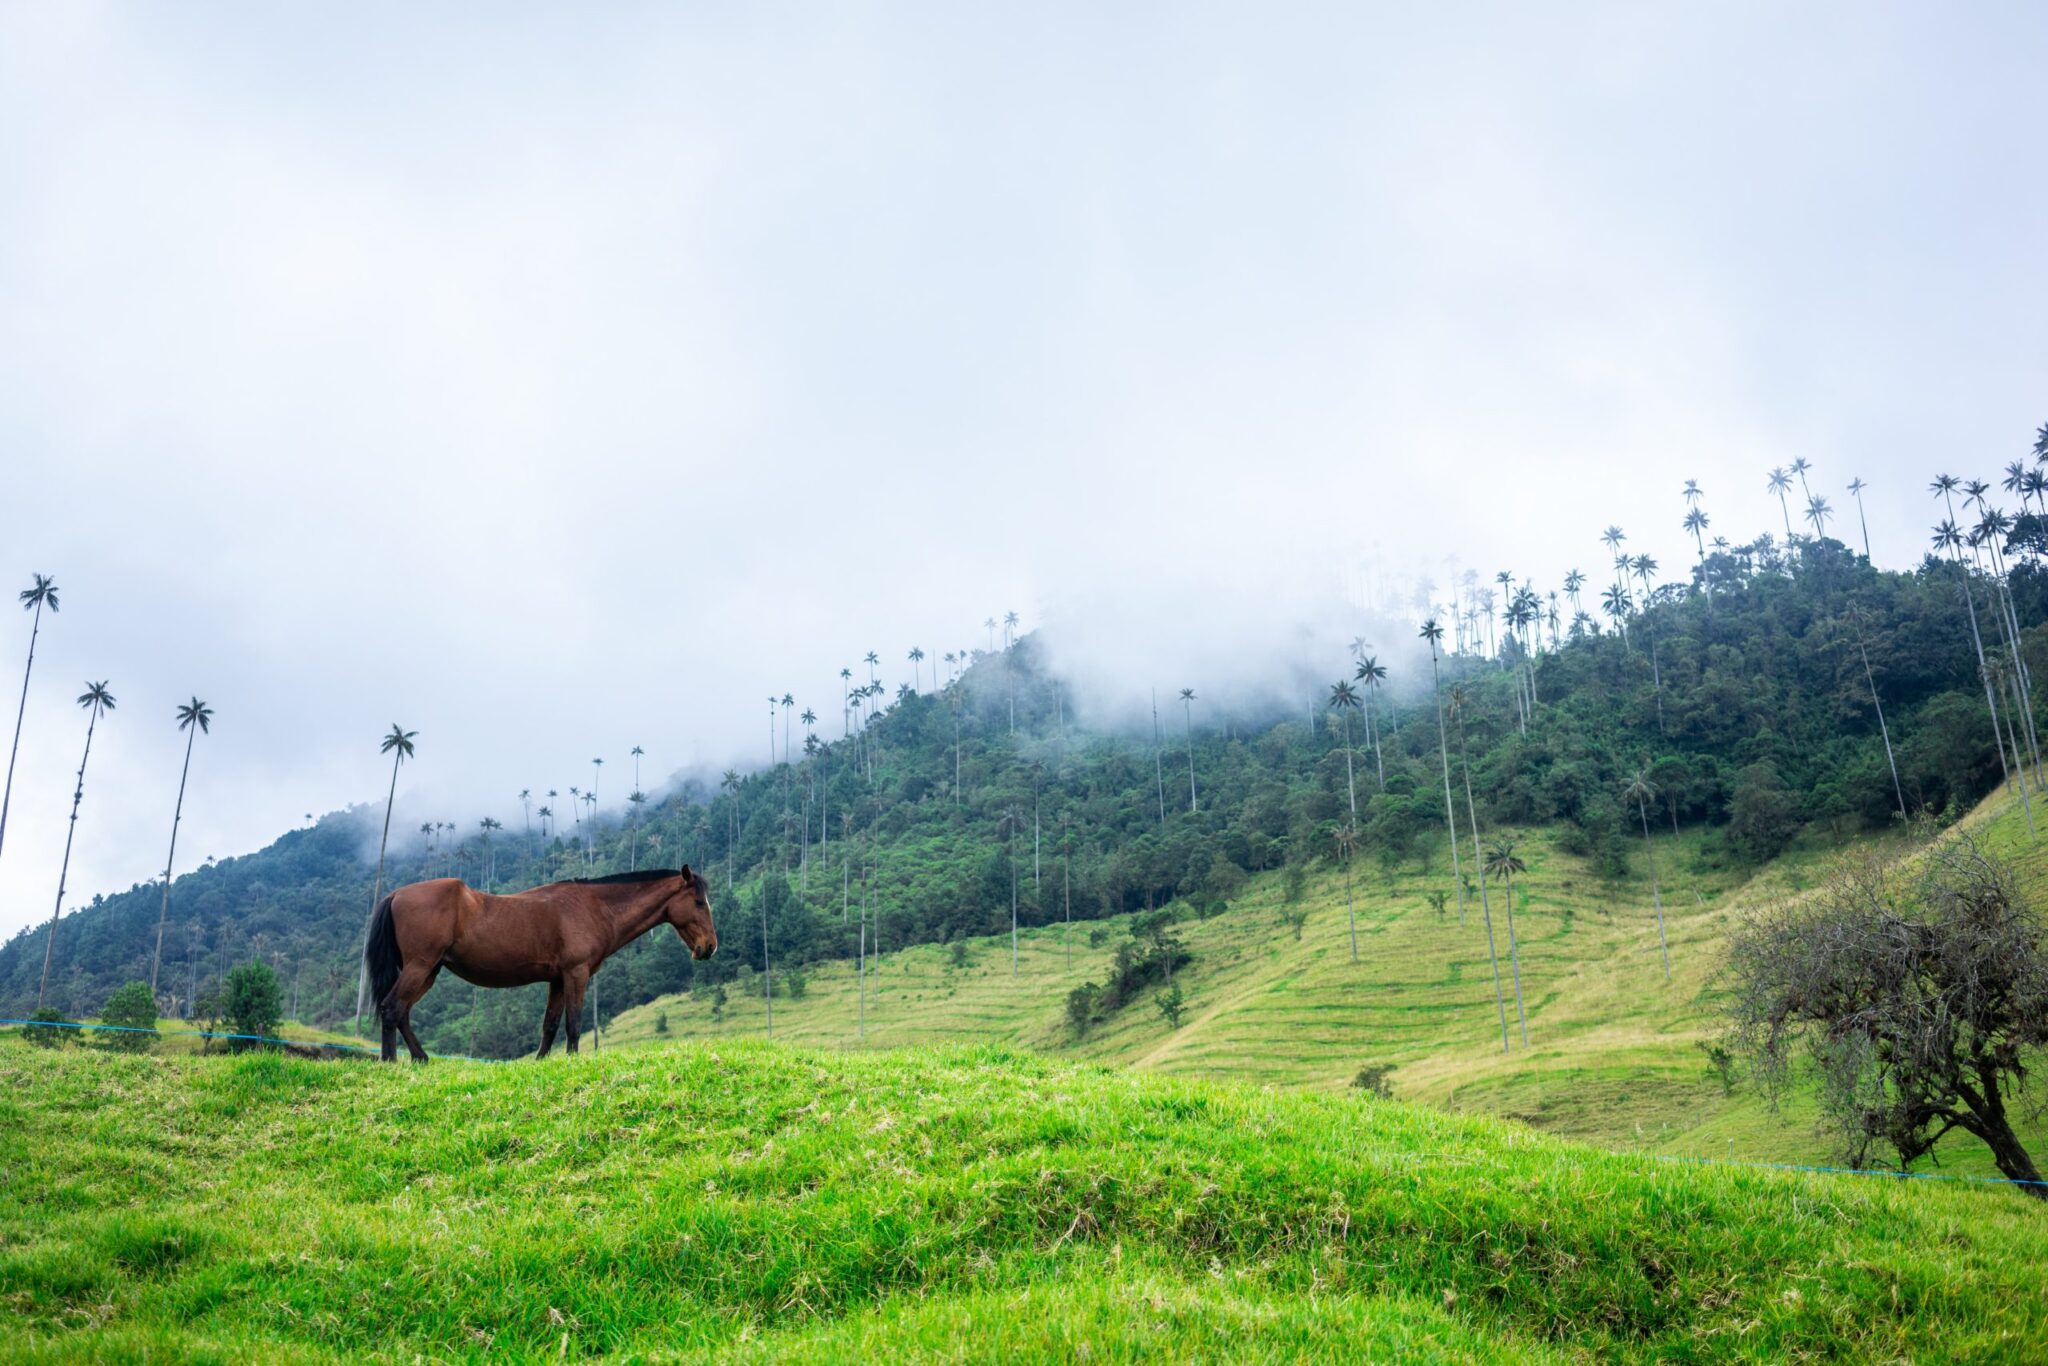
(553, 1019)
(397, 1008)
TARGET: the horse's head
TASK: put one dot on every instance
(689, 910)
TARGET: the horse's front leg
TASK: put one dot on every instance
(553, 1019)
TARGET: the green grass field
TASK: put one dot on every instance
(1614, 1053)
(746, 1201)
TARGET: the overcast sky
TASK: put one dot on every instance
(558, 379)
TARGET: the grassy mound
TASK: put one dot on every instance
(761, 1202)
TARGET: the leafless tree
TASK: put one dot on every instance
(1916, 996)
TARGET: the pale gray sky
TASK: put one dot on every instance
(556, 379)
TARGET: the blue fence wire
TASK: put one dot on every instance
(1806, 1168)
(211, 1034)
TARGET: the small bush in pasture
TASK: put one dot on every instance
(43, 1034)
(1294, 916)
(661, 1022)
(1294, 883)
(718, 999)
(252, 1002)
(794, 985)
(1375, 1079)
(956, 953)
(1172, 1005)
(132, 1008)
(1721, 1062)
(1081, 1007)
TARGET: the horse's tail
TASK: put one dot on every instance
(381, 954)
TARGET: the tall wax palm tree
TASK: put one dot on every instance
(991, 625)
(1502, 862)
(1856, 619)
(1780, 485)
(636, 799)
(1693, 493)
(731, 783)
(398, 743)
(1573, 582)
(1344, 701)
(788, 701)
(871, 659)
(916, 657)
(1800, 467)
(487, 864)
(1696, 523)
(1187, 708)
(1948, 537)
(1371, 673)
(1641, 791)
(1434, 633)
(1856, 487)
(194, 717)
(1615, 602)
(1612, 539)
(637, 753)
(546, 813)
(1458, 704)
(596, 772)
(1009, 629)
(1818, 512)
(97, 701)
(41, 593)
(845, 702)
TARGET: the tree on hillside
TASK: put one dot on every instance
(1458, 704)
(1344, 701)
(1780, 485)
(1502, 862)
(252, 1004)
(1433, 633)
(41, 593)
(97, 701)
(1642, 791)
(916, 658)
(194, 717)
(398, 743)
(1856, 487)
(1346, 838)
(1372, 673)
(1187, 708)
(1948, 537)
(131, 1011)
(1917, 998)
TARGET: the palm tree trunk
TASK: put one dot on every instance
(177, 815)
(64, 872)
(767, 982)
(1450, 820)
(376, 894)
(1350, 909)
(1349, 785)
(20, 710)
(1486, 910)
(1643, 814)
(1188, 712)
(1379, 757)
(1882, 729)
(1977, 639)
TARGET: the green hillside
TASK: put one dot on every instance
(748, 1201)
(933, 813)
(1616, 1055)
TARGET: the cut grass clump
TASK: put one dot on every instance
(767, 1202)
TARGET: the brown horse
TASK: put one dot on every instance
(557, 934)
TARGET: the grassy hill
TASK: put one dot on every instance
(746, 1201)
(1614, 1056)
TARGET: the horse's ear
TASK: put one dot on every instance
(687, 874)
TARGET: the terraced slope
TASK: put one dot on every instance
(1614, 1050)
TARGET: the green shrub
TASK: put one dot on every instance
(252, 1004)
(133, 1009)
(44, 1035)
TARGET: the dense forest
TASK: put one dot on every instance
(1745, 699)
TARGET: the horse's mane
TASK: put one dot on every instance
(612, 879)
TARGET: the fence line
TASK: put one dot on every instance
(1806, 1168)
(210, 1034)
